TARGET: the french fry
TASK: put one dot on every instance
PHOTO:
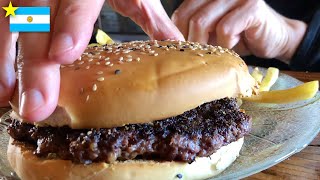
(257, 75)
(298, 93)
(270, 78)
(93, 45)
(102, 38)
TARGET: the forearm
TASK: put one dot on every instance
(307, 55)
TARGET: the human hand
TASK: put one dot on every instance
(247, 26)
(40, 54)
(150, 16)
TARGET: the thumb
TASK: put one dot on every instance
(150, 16)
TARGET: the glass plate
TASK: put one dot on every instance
(278, 131)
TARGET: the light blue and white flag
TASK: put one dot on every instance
(30, 19)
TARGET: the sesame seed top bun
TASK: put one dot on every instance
(143, 81)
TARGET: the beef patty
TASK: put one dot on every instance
(196, 133)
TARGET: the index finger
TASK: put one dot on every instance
(38, 77)
(151, 16)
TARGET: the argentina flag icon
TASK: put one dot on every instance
(30, 19)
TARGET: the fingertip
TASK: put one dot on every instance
(38, 90)
(62, 43)
(34, 107)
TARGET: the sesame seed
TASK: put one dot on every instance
(107, 59)
(151, 51)
(156, 54)
(90, 60)
(111, 64)
(117, 53)
(138, 59)
(81, 90)
(217, 53)
(100, 79)
(81, 62)
(80, 58)
(107, 63)
(129, 56)
(121, 58)
(118, 71)
(97, 63)
(94, 87)
(87, 67)
(100, 72)
(129, 60)
(87, 99)
(200, 54)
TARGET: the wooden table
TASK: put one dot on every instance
(303, 165)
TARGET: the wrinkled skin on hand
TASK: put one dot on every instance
(247, 26)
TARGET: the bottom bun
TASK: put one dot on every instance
(30, 167)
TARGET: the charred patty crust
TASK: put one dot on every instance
(196, 133)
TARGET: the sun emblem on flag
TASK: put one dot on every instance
(29, 19)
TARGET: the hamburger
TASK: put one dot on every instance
(139, 110)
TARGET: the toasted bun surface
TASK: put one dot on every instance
(110, 87)
(29, 167)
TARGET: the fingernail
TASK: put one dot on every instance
(61, 43)
(31, 100)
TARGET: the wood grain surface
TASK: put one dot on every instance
(303, 165)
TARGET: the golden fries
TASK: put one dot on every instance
(270, 78)
(301, 92)
(93, 45)
(102, 38)
(257, 75)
